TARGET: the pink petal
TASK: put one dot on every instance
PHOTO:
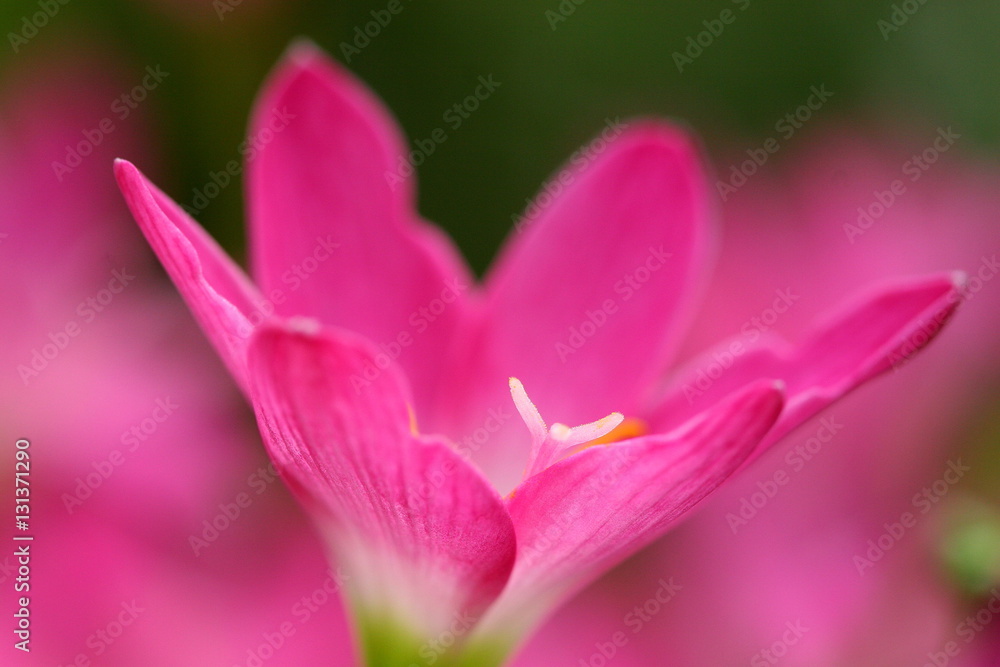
(588, 512)
(332, 235)
(420, 532)
(222, 298)
(880, 331)
(585, 304)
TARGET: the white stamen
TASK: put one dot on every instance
(550, 444)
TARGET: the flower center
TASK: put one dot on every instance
(549, 444)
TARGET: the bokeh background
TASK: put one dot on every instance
(898, 73)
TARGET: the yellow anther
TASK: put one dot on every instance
(413, 420)
(630, 428)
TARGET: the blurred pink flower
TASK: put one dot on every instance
(763, 553)
(136, 434)
(430, 547)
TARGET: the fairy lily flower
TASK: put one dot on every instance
(380, 371)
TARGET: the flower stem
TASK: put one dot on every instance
(388, 644)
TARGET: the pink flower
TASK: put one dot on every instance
(585, 306)
(137, 436)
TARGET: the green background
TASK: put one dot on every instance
(557, 85)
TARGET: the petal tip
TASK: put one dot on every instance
(302, 51)
(766, 396)
(307, 326)
(124, 169)
(658, 133)
(302, 58)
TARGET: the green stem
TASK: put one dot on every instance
(385, 643)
